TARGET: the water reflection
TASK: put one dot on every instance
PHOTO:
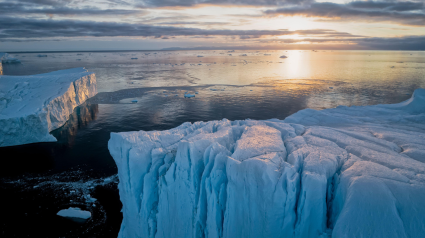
(42, 157)
(79, 119)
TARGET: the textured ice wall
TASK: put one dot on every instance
(347, 172)
(32, 106)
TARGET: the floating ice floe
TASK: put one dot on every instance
(134, 58)
(283, 57)
(32, 106)
(134, 101)
(200, 56)
(189, 95)
(342, 172)
(74, 213)
(41, 55)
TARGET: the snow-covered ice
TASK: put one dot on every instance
(32, 106)
(74, 212)
(342, 172)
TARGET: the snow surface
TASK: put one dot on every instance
(32, 106)
(74, 212)
(342, 172)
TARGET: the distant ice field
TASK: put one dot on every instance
(260, 86)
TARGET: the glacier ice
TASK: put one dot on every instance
(342, 172)
(32, 106)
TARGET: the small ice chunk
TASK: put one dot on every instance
(189, 95)
(41, 55)
(331, 87)
(74, 212)
(196, 92)
(134, 101)
(200, 56)
(283, 57)
(134, 58)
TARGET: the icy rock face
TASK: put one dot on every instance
(32, 106)
(344, 172)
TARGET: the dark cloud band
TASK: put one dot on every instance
(34, 28)
(407, 13)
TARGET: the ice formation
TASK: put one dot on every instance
(342, 172)
(74, 212)
(32, 106)
(6, 59)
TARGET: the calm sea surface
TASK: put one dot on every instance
(233, 85)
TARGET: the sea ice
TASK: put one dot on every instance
(74, 212)
(342, 172)
(188, 95)
(32, 106)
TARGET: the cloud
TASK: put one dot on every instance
(191, 3)
(36, 28)
(8, 8)
(406, 13)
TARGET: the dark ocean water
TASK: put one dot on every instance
(257, 86)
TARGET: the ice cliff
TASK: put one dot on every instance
(342, 172)
(32, 106)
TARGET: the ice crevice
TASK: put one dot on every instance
(332, 173)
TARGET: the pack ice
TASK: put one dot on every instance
(32, 106)
(342, 172)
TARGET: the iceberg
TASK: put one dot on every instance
(32, 106)
(341, 172)
(6, 59)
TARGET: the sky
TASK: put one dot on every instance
(87, 25)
